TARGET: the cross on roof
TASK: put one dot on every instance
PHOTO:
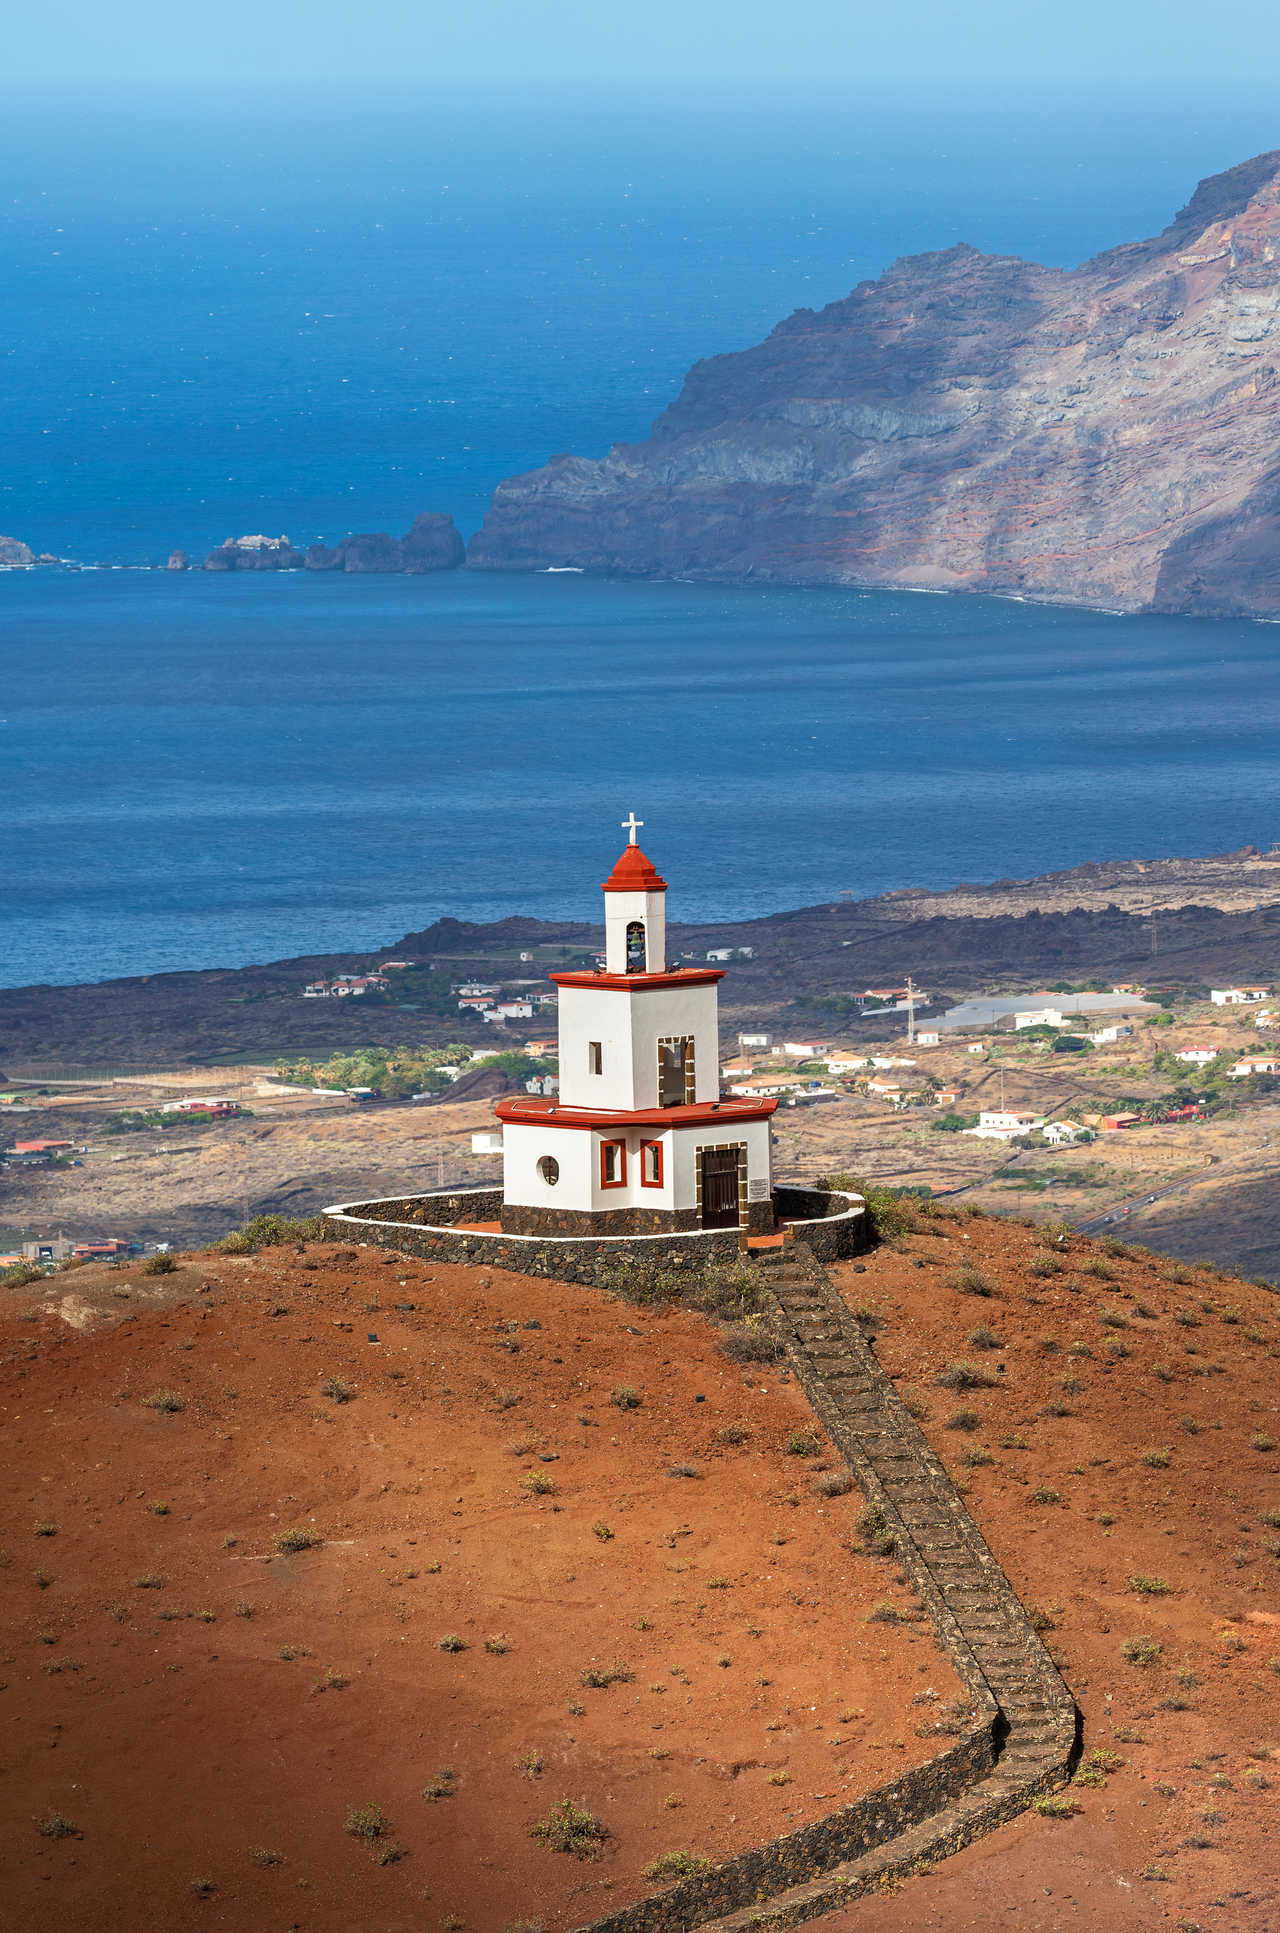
(631, 825)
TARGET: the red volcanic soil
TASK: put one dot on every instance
(205, 1710)
(1134, 1435)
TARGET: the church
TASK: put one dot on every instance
(638, 1141)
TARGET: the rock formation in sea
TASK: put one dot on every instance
(178, 561)
(255, 554)
(1104, 435)
(432, 543)
(15, 555)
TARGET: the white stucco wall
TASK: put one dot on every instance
(578, 1153)
(629, 1022)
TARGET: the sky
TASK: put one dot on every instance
(708, 41)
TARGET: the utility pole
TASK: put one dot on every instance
(911, 1010)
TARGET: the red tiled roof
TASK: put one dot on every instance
(634, 873)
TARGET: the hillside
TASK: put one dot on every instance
(219, 1705)
(1103, 435)
(495, 1529)
(1125, 1470)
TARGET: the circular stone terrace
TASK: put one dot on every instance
(461, 1225)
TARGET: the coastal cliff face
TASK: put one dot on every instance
(1106, 435)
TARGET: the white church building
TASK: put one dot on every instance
(638, 1140)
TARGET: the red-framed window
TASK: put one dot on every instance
(651, 1164)
(613, 1164)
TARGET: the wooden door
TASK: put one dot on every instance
(719, 1187)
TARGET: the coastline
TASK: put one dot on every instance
(72, 567)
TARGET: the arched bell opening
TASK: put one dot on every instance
(636, 952)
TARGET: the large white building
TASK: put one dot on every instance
(638, 1139)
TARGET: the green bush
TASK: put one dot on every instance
(269, 1231)
(677, 1865)
(367, 1822)
(891, 1212)
(570, 1828)
(20, 1274)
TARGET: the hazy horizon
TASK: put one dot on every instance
(711, 41)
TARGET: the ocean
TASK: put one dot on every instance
(316, 313)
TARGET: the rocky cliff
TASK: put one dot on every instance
(15, 555)
(1105, 435)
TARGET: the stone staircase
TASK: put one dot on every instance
(980, 1620)
(1022, 1737)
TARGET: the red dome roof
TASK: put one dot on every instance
(634, 874)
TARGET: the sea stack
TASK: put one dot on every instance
(15, 555)
(432, 543)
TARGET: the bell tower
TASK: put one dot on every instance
(639, 1140)
(635, 911)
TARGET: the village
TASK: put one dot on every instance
(1092, 1103)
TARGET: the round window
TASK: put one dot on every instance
(549, 1169)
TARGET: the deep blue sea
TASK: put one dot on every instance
(318, 313)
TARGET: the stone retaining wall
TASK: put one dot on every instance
(766, 1870)
(426, 1225)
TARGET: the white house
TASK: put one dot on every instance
(928, 1037)
(639, 1139)
(885, 1089)
(807, 1049)
(1062, 1133)
(1197, 1056)
(890, 1060)
(976, 1047)
(357, 984)
(1106, 1035)
(845, 1063)
(720, 953)
(1255, 1064)
(344, 987)
(773, 1084)
(1265, 1019)
(509, 1010)
(755, 1043)
(1001, 1124)
(1038, 1017)
(1237, 996)
(487, 1141)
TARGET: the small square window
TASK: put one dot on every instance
(651, 1164)
(613, 1164)
(595, 1057)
